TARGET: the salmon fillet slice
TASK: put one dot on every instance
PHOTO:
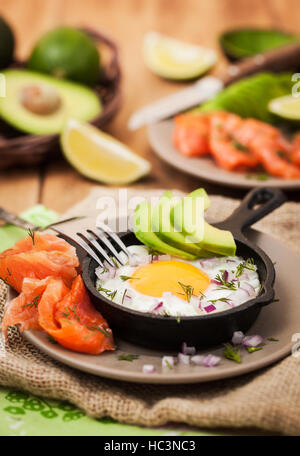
(72, 320)
(38, 257)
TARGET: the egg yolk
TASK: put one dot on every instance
(169, 276)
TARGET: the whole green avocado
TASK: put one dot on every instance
(7, 43)
(67, 53)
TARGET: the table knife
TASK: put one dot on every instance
(285, 58)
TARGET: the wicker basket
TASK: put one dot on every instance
(17, 148)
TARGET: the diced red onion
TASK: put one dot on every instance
(197, 359)
(248, 288)
(164, 258)
(215, 282)
(252, 341)
(107, 272)
(230, 261)
(210, 308)
(208, 262)
(225, 276)
(237, 337)
(244, 276)
(183, 359)
(168, 361)
(238, 297)
(158, 307)
(188, 350)
(211, 360)
(149, 369)
(155, 258)
(138, 260)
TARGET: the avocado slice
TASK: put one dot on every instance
(207, 237)
(163, 227)
(60, 100)
(187, 215)
(143, 232)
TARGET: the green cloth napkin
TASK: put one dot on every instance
(39, 215)
(22, 414)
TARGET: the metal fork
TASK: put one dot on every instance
(92, 242)
(100, 244)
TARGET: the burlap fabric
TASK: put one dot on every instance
(268, 399)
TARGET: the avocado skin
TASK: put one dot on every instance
(149, 238)
(172, 237)
(68, 53)
(7, 44)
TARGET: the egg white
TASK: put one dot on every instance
(173, 305)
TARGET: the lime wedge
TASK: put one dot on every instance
(287, 107)
(174, 59)
(99, 156)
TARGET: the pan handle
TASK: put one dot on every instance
(247, 214)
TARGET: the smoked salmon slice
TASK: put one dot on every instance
(38, 256)
(190, 135)
(228, 153)
(72, 320)
(23, 310)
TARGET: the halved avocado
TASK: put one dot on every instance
(41, 105)
(143, 232)
(164, 229)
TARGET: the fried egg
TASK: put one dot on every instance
(169, 286)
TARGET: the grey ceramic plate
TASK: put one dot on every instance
(160, 137)
(279, 320)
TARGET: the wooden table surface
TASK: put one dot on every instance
(57, 185)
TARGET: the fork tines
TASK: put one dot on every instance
(98, 244)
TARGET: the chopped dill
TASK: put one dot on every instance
(213, 301)
(258, 176)
(232, 353)
(188, 291)
(114, 262)
(224, 283)
(5, 279)
(178, 319)
(168, 364)
(128, 357)
(248, 264)
(51, 340)
(237, 145)
(33, 303)
(124, 278)
(109, 293)
(98, 328)
(31, 234)
(272, 339)
(253, 349)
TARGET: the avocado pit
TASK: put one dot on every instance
(40, 99)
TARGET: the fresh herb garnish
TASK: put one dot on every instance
(31, 234)
(237, 145)
(168, 364)
(74, 313)
(178, 320)
(188, 291)
(51, 340)
(98, 328)
(259, 176)
(213, 301)
(33, 303)
(109, 293)
(5, 279)
(253, 349)
(272, 339)
(128, 357)
(232, 353)
(224, 283)
(114, 262)
(124, 278)
(248, 264)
